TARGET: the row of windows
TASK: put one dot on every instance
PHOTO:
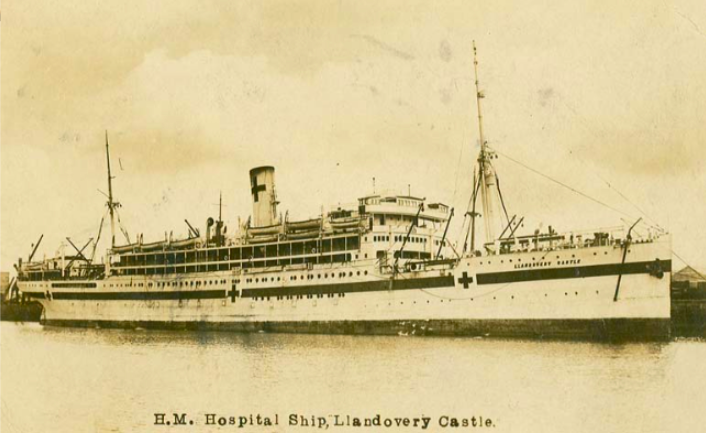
(573, 256)
(195, 283)
(171, 269)
(291, 297)
(408, 202)
(316, 246)
(400, 238)
(307, 277)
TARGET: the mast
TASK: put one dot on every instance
(478, 98)
(486, 172)
(111, 203)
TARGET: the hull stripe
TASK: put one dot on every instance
(322, 289)
(370, 286)
(365, 286)
(133, 296)
(572, 272)
(599, 329)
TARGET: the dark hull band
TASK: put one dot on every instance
(323, 289)
(133, 296)
(369, 286)
(364, 286)
(574, 272)
(596, 329)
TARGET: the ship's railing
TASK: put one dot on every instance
(605, 236)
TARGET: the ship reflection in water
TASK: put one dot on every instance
(88, 380)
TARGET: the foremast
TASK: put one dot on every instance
(112, 204)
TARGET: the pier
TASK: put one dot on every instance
(688, 303)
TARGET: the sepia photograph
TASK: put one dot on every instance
(352, 216)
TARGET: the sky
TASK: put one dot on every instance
(606, 98)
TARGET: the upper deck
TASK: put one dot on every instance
(377, 229)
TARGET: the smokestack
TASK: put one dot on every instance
(264, 200)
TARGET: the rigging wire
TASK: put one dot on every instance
(566, 186)
(592, 132)
(500, 194)
(622, 195)
(458, 169)
(694, 269)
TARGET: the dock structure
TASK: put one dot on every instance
(689, 303)
(14, 307)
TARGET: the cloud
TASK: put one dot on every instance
(196, 93)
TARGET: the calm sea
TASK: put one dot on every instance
(96, 380)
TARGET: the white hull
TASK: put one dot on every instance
(363, 295)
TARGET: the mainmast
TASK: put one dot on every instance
(486, 171)
(111, 203)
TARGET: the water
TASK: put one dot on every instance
(96, 380)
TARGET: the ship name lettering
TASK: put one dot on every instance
(377, 421)
(447, 421)
(532, 265)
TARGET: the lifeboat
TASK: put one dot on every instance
(125, 248)
(152, 246)
(345, 223)
(304, 234)
(263, 239)
(266, 230)
(314, 223)
(186, 243)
